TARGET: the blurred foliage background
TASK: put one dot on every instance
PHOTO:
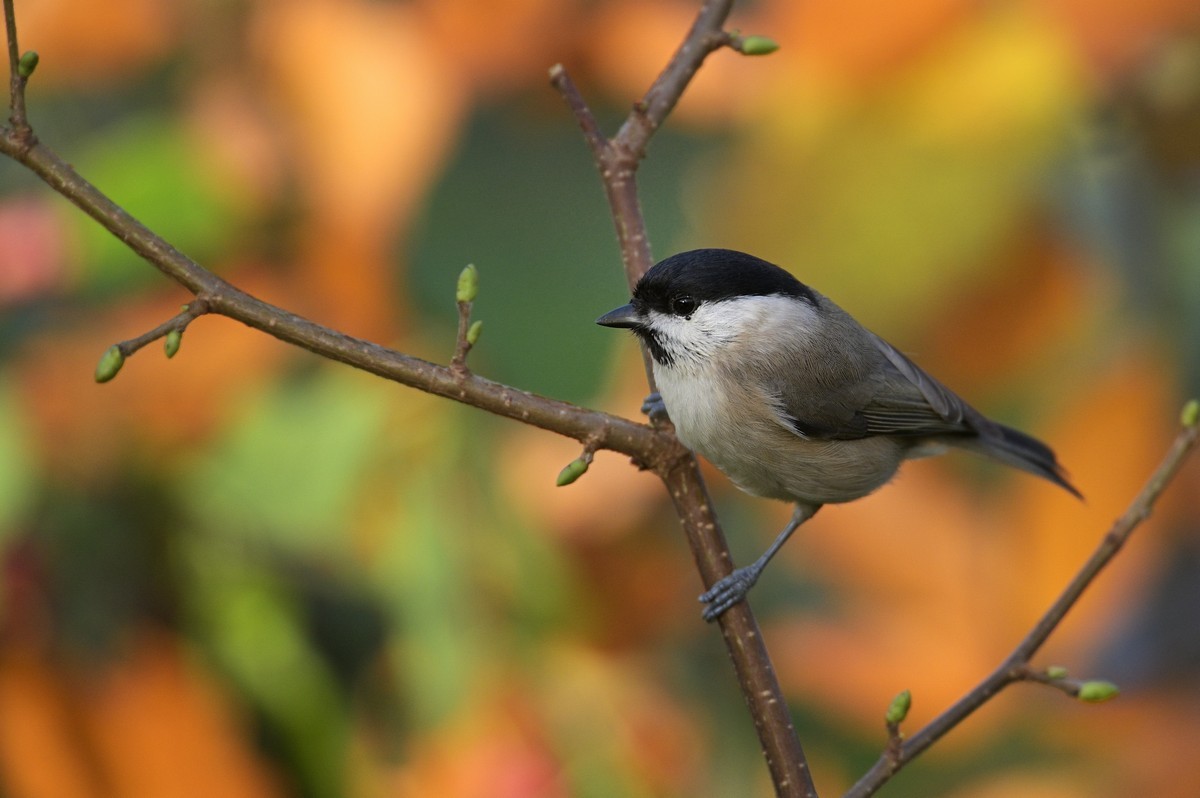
(246, 572)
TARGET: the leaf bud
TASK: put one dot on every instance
(110, 363)
(572, 471)
(27, 64)
(468, 284)
(758, 45)
(1097, 691)
(1190, 414)
(897, 711)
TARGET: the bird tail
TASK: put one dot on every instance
(1025, 452)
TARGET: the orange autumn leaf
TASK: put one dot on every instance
(84, 42)
(863, 41)
(371, 106)
(161, 728)
(500, 43)
(150, 725)
(38, 746)
(1114, 34)
(495, 751)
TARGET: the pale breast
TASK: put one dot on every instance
(732, 425)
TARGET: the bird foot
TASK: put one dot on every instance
(655, 408)
(728, 591)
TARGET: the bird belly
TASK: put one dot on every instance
(794, 469)
(741, 436)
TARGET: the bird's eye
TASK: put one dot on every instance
(683, 306)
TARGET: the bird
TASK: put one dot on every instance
(790, 397)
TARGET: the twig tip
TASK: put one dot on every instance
(572, 471)
(27, 64)
(110, 363)
(1095, 692)
(468, 284)
(1190, 414)
(171, 343)
(474, 331)
(754, 45)
(897, 711)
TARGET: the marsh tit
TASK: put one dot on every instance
(790, 397)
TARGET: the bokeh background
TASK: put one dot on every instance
(247, 572)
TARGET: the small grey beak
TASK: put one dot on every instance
(624, 316)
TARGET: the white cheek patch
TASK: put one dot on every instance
(726, 324)
(780, 317)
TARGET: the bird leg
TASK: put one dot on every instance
(733, 588)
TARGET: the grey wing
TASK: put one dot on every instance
(911, 402)
(942, 412)
(899, 398)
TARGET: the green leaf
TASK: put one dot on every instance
(18, 480)
(159, 171)
(291, 468)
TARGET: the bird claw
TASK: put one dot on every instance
(728, 591)
(655, 408)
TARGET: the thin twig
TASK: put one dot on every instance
(1015, 666)
(16, 81)
(462, 342)
(895, 746)
(179, 322)
(1066, 686)
(705, 36)
(595, 138)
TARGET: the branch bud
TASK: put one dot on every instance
(1056, 672)
(1097, 691)
(171, 342)
(27, 64)
(1190, 414)
(897, 711)
(468, 284)
(110, 363)
(473, 332)
(758, 45)
(572, 471)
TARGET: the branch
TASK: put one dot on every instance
(648, 447)
(19, 69)
(617, 160)
(1016, 667)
